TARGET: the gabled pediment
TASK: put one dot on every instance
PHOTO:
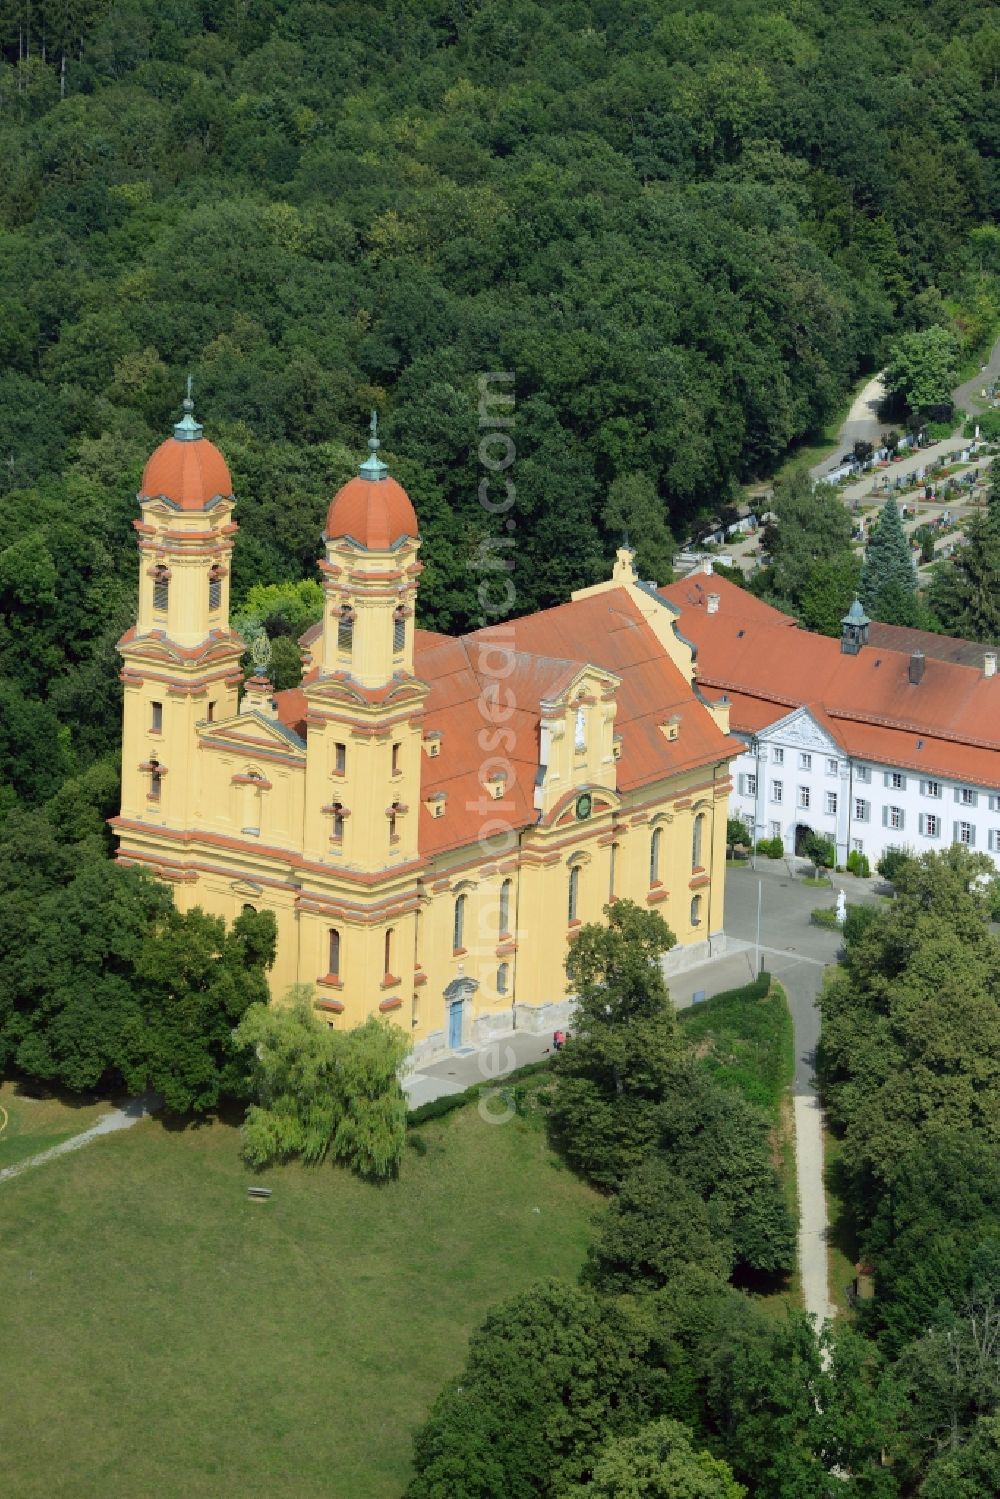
(252, 731)
(801, 731)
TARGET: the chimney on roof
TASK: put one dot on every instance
(990, 664)
(712, 603)
(916, 667)
(709, 567)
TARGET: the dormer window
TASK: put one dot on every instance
(161, 588)
(215, 589)
(345, 629)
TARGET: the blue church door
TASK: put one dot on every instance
(455, 1025)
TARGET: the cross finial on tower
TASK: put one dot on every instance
(373, 468)
(187, 429)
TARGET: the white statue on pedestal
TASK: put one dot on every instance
(841, 908)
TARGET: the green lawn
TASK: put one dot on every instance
(164, 1335)
(30, 1125)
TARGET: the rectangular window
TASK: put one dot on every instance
(345, 631)
(778, 755)
(803, 796)
(777, 790)
(161, 593)
(894, 818)
(930, 788)
(339, 759)
(965, 833)
(398, 634)
(994, 840)
(748, 785)
(395, 759)
(832, 767)
(895, 780)
(775, 829)
(966, 796)
(863, 773)
(214, 594)
(156, 718)
(930, 825)
(155, 785)
(858, 845)
(831, 803)
(805, 761)
(862, 810)
(211, 712)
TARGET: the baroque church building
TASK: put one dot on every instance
(431, 819)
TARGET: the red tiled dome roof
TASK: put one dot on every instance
(191, 474)
(376, 513)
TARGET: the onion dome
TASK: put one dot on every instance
(372, 510)
(187, 470)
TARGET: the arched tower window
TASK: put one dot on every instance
(573, 901)
(458, 927)
(655, 841)
(155, 781)
(161, 588)
(345, 629)
(612, 871)
(214, 588)
(333, 953)
(398, 632)
(697, 833)
(390, 933)
(337, 834)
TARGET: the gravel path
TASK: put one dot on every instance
(121, 1118)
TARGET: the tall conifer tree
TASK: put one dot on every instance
(888, 587)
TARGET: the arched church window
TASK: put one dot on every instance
(388, 952)
(696, 910)
(458, 927)
(345, 629)
(503, 978)
(696, 840)
(333, 953)
(505, 907)
(654, 855)
(573, 902)
(155, 780)
(398, 632)
(338, 822)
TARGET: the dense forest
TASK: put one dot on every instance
(684, 229)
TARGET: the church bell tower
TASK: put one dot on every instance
(181, 660)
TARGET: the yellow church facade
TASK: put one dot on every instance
(430, 819)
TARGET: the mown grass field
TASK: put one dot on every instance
(30, 1125)
(164, 1335)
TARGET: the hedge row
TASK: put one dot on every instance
(438, 1107)
(752, 1046)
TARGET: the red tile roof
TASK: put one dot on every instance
(190, 474)
(548, 651)
(376, 513)
(768, 667)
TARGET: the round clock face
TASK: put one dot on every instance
(584, 805)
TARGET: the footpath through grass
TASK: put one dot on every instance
(29, 1125)
(165, 1335)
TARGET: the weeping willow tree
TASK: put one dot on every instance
(320, 1092)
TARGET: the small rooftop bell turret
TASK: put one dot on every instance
(854, 629)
